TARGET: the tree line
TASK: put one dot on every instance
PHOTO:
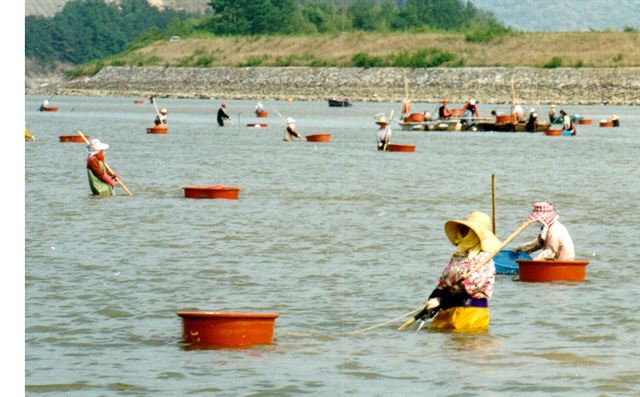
(91, 29)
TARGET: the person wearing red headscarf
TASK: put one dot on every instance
(554, 238)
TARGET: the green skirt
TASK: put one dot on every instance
(98, 186)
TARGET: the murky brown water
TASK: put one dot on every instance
(333, 237)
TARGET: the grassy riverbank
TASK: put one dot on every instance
(544, 50)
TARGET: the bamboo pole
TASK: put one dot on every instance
(493, 201)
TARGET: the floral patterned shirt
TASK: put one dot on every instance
(478, 284)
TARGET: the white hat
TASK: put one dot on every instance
(45, 102)
(381, 120)
(163, 111)
(472, 101)
(96, 146)
(553, 106)
(532, 110)
(290, 120)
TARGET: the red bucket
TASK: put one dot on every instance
(319, 138)
(262, 114)
(227, 329)
(212, 192)
(541, 270)
(400, 148)
(73, 138)
(606, 124)
(50, 109)
(158, 129)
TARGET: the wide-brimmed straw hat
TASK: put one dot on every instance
(163, 111)
(96, 146)
(381, 120)
(614, 117)
(290, 120)
(543, 212)
(481, 225)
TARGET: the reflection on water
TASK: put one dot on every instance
(334, 237)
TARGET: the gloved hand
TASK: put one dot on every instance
(519, 249)
(432, 304)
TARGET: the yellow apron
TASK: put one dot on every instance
(462, 319)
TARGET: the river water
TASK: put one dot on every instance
(334, 237)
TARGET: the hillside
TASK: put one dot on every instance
(48, 8)
(564, 15)
(588, 49)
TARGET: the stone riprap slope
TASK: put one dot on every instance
(613, 86)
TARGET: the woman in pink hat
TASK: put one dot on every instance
(554, 239)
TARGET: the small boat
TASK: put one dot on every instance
(505, 261)
(262, 114)
(212, 192)
(49, 109)
(319, 138)
(339, 103)
(217, 329)
(400, 148)
(158, 129)
(605, 123)
(542, 271)
(585, 122)
(257, 125)
(73, 138)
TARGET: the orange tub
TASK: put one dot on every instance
(584, 122)
(227, 329)
(212, 192)
(257, 125)
(73, 138)
(50, 109)
(506, 119)
(262, 114)
(606, 124)
(158, 129)
(138, 101)
(319, 138)
(550, 132)
(540, 271)
(457, 112)
(401, 148)
(415, 118)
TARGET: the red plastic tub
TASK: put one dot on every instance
(400, 148)
(257, 125)
(415, 118)
(227, 329)
(50, 109)
(158, 129)
(541, 271)
(606, 124)
(73, 138)
(319, 138)
(550, 132)
(262, 114)
(212, 192)
(138, 101)
(506, 119)
(584, 121)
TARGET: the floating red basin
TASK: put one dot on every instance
(606, 124)
(257, 125)
(319, 138)
(138, 101)
(584, 121)
(540, 270)
(506, 119)
(550, 132)
(457, 112)
(50, 109)
(158, 129)
(262, 114)
(73, 138)
(400, 148)
(212, 192)
(415, 117)
(227, 329)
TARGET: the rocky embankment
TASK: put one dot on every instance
(612, 86)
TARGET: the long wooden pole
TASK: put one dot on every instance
(479, 265)
(493, 201)
(108, 168)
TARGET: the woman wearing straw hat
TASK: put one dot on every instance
(101, 179)
(291, 131)
(461, 298)
(554, 238)
(161, 118)
(384, 132)
(222, 114)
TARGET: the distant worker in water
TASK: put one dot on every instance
(615, 120)
(161, 118)
(554, 239)
(384, 132)
(469, 112)
(460, 300)
(553, 118)
(443, 111)
(568, 127)
(291, 131)
(44, 106)
(222, 114)
(518, 112)
(101, 180)
(259, 108)
(531, 121)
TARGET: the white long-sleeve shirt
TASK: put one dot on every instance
(555, 241)
(384, 133)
